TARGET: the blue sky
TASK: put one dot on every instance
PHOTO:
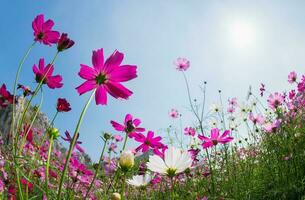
(231, 45)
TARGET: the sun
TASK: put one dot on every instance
(242, 34)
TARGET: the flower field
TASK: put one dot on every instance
(236, 149)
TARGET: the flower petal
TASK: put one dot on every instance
(101, 96)
(85, 87)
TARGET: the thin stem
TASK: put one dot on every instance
(72, 144)
(31, 124)
(97, 169)
(125, 142)
(123, 187)
(15, 86)
(48, 166)
(33, 95)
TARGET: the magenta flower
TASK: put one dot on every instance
(173, 113)
(69, 139)
(130, 126)
(189, 131)
(63, 105)
(182, 64)
(5, 97)
(41, 72)
(292, 77)
(233, 101)
(148, 141)
(301, 85)
(64, 42)
(275, 100)
(106, 76)
(26, 90)
(215, 138)
(43, 31)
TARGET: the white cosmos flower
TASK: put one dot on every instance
(140, 180)
(215, 108)
(175, 161)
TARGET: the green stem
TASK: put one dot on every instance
(97, 169)
(31, 124)
(48, 166)
(123, 187)
(72, 145)
(125, 142)
(15, 86)
(32, 97)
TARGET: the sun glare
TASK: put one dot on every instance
(242, 34)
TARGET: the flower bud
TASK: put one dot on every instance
(115, 196)
(53, 132)
(64, 42)
(126, 160)
(107, 136)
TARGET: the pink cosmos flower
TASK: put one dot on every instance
(233, 101)
(275, 100)
(258, 119)
(291, 94)
(159, 151)
(173, 113)
(182, 64)
(52, 81)
(43, 31)
(106, 76)
(26, 183)
(215, 138)
(112, 147)
(272, 126)
(189, 131)
(231, 109)
(301, 85)
(5, 97)
(63, 105)
(130, 126)
(148, 141)
(118, 138)
(292, 77)
(69, 139)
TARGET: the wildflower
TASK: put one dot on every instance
(126, 161)
(148, 142)
(26, 90)
(140, 180)
(130, 126)
(46, 73)
(43, 31)
(233, 101)
(258, 119)
(112, 147)
(63, 105)
(157, 179)
(69, 139)
(292, 77)
(182, 64)
(5, 97)
(231, 109)
(262, 89)
(301, 85)
(175, 161)
(215, 108)
(115, 196)
(275, 100)
(118, 138)
(291, 94)
(272, 126)
(189, 131)
(26, 183)
(106, 77)
(215, 138)
(173, 113)
(64, 42)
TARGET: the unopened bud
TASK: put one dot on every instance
(53, 132)
(126, 160)
(115, 196)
